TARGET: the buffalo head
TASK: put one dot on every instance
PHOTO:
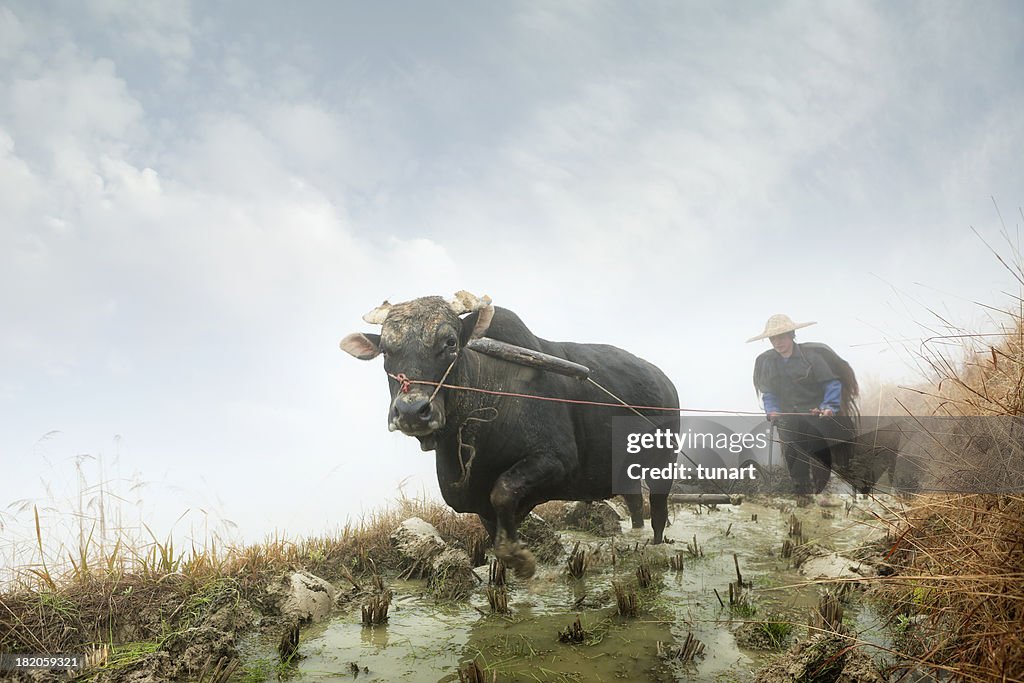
(420, 339)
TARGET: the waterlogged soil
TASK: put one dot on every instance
(427, 640)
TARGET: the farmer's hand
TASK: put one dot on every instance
(827, 412)
(772, 417)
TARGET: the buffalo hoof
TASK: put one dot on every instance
(517, 558)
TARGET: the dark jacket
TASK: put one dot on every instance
(797, 382)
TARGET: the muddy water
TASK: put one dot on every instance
(423, 641)
(427, 641)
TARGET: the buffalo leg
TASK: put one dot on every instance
(891, 469)
(659, 515)
(635, 503)
(517, 483)
(490, 526)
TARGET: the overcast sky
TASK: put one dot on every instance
(198, 201)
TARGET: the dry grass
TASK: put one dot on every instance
(961, 565)
(146, 594)
(959, 588)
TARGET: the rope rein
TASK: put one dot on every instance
(406, 384)
(443, 377)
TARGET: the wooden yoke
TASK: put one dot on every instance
(528, 357)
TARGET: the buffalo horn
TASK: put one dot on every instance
(464, 302)
(377, 315)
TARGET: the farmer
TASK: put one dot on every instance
(802, 395)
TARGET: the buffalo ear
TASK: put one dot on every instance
(362, 346)
(476, 324)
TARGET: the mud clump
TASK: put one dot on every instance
(541, 539)
(755, 635)
(302, 596)
(598, 518)
(817, 562)
(447, 569)
(192, 651)
(182, 656)
(823, 658)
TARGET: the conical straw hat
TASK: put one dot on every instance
(779, 324)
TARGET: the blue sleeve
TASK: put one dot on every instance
(771, 404)
(833, 395)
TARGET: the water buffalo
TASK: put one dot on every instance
(873, 454)
(500, 456)
(859, 450)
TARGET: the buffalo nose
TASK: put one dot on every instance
(418, 408)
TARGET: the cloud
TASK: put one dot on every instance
(311, 135)
(163, 28)
(71, 98)
(20, 188)
(12, 33)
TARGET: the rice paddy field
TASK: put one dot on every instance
(922, 587)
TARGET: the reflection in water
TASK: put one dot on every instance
(374, 636)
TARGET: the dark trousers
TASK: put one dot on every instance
(807, 443)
